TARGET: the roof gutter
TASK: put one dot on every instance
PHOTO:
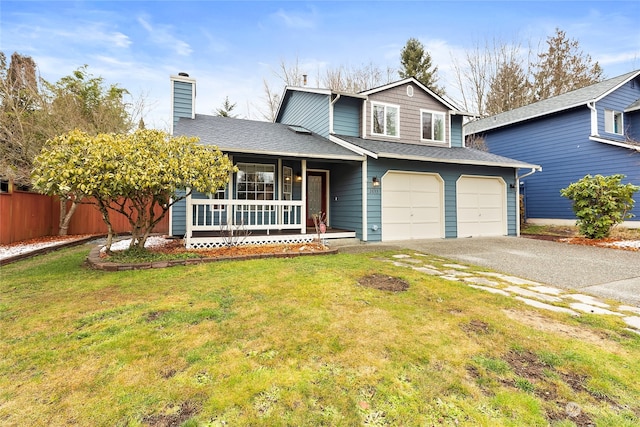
(531, 172)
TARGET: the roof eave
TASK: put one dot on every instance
(291, 154)
(460, 161)
(615, 143)
(616, 87)
(542, 114)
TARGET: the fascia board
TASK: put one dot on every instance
(290, 154)
(616, 87)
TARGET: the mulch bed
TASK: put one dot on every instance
(602, 243)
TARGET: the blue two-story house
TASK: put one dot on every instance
(593, 130)
(382, 165)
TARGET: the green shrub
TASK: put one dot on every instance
(600, 203)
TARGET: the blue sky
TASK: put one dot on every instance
(230, 47)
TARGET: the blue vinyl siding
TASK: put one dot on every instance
(560, 144)
(182, 100)
(618, 101)
(632, 124)
(345, 196)
(346, 116)
(450, 173)
(456, 131)
(309, 110)
(178, 224)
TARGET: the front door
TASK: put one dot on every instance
(316, 195)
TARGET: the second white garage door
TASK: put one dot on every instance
(482, 207)
(412, 206)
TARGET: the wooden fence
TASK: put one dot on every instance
(25, 215)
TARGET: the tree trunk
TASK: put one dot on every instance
(105, 217)
(65, 216)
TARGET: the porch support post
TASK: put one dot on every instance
(365, 182)
(279, 193)
(303, 209)
(188, 219)
(230, 196)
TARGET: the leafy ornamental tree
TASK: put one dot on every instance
(416, 62)
(600, 203)
(134, 174)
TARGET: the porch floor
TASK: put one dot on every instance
(218, 238)
(330, 233)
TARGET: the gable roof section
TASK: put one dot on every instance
(566, 101)
(425, 153)
(447, 103)
(328, 92)
(256, 137)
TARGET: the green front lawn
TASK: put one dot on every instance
(297, 342)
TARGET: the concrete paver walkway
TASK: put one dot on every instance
(530, 292)
(548, 275)
(604, 272)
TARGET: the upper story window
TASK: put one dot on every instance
(255, 181)
(613, 122)
(385, 119)
(432, 124)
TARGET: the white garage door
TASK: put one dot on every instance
(482, 207)
(412, 206)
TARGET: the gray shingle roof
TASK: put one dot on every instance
(575, 98)
(251, 136)
(633, 107)
(425, 153)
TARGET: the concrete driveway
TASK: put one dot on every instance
(607, 273)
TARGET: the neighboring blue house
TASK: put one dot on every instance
(593, 130)
(382, 165)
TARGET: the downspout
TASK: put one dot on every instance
(331, 104)
(594, 118)
(518, 178)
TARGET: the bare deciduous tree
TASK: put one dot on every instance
(563, 67)
(340, 79)
(476, 74)
(508, 88)
(357, 79)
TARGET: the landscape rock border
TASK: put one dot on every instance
(97, 263)
(46, 250)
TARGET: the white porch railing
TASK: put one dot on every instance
(225, 214)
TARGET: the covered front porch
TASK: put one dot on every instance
(219, 223)
(277, 201)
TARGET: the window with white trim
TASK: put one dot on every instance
(613, 122)
(432, 124)
(385, 119)
(255, 181)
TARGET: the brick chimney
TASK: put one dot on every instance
(183, 98)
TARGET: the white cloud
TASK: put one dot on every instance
(162, 35)
(296, 20)
(617, 58)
